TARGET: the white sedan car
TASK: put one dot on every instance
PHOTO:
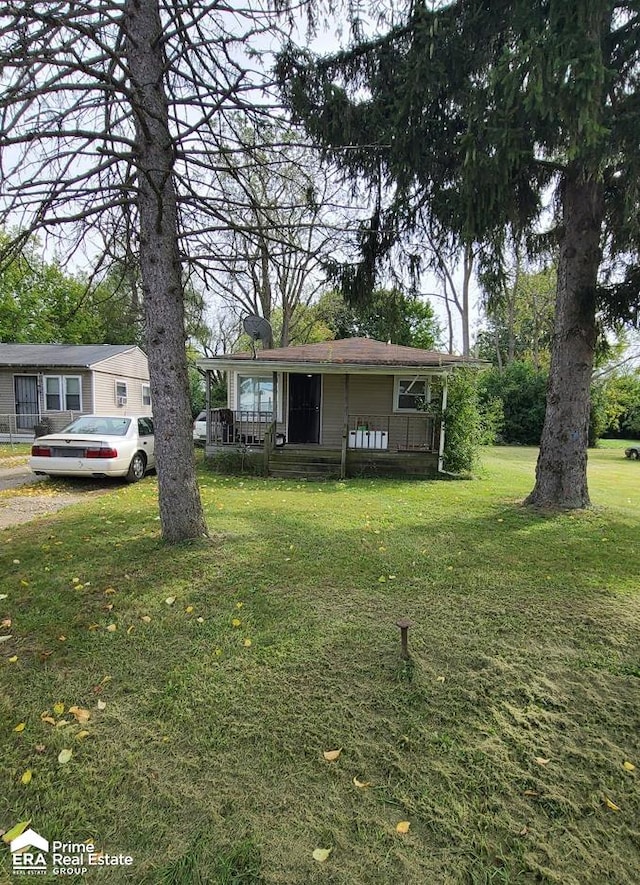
(97, 446)
(200, 429)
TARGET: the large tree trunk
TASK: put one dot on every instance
(181, 513)
(561, 473)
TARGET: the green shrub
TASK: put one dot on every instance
(523, 391)
(464, 428)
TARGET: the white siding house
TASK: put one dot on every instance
(53, 383)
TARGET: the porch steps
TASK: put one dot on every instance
(292, 463)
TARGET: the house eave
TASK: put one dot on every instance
(323, 368)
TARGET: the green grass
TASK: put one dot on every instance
(206, 763)
(14, 454)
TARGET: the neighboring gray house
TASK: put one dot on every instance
(57, 382)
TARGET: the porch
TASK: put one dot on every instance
(385, 444)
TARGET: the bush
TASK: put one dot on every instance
(522, 389)
(464, 429)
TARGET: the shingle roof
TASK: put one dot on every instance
(352, 351)
(67, 355)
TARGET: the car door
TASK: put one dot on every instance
(147, 440)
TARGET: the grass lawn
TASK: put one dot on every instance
(14, 454)
(216, 675)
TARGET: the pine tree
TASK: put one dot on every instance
(474, 112)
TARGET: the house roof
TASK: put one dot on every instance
(65, 355)
(345, 353)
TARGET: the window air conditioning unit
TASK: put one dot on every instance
(121, 400)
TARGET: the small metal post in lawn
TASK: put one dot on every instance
(404, 624)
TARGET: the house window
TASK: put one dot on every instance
(146, 395)
(412, 394)
(53, 394)
(121, 393)
(63, 393)
(72, 394)
(255, 393)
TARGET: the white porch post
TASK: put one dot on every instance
(442, 423)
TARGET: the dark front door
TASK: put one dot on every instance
(26, 392)
(304, 409)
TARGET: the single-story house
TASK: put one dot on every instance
(346, 407)
(57, 382)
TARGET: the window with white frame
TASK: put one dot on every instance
(121, 393)
(146, 394)
(255, 393)
(412, 394)
(63, 393)
(72, 394)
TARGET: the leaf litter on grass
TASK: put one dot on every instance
(223, 738)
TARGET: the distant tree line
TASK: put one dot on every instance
(517, 338)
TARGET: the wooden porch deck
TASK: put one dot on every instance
(318, 462)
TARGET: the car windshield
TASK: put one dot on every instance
(91, 425)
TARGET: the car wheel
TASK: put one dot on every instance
(137, 468)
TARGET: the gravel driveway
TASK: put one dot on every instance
(19, 508)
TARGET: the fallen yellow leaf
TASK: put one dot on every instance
(146, 619)
(610, 804)
(321, 854)
(247, 643)
(58, 709)
(542, 761)
(109, 591)
(101, 705)
(628, 766)
(236, 622)
(361, 784)
(20, 727)
(26, 777)
(15, 831)
(82, 735)
(130, 630)
(64, 756)
(189, 609)
(112, 628)
(332, 755)
(80, 714)
(170, 600)
(48, 718)
(13, 659)
(403, 827)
